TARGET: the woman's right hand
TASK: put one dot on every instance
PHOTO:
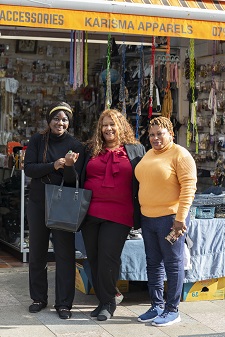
(71, 158)
(179, 227)
(58, 164)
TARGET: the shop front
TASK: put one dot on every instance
(150, 48)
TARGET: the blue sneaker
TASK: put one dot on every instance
(152, 313)
(167, 318)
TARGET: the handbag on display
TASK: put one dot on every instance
(66, 207)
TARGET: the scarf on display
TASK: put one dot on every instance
(71, 56)
(193, 98)
(174, 70)
(212, 101)
(76, 58)
(151, 83)
(86, 60)
(156, 106)
(122, 94)
(111, 159)
(212, 105)
(140, 85)
(108, 95)
(167, 105)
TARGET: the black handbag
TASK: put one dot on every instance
(66, 207)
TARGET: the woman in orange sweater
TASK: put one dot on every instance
(167, 183)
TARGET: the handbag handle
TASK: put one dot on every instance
(76, 192)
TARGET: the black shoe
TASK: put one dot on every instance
(64, 313)
(106, 311)
(96, 311)
(37, 306)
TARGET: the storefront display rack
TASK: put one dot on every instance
(14, 231)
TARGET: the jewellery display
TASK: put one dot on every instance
(206, 96)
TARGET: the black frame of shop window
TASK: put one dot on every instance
(26, 46)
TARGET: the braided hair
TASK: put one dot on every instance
(162, 122)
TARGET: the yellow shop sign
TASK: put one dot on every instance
(38, 17)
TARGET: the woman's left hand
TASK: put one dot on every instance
(71, 158)
(179, 227)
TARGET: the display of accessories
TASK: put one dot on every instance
(10, 208)
(14, 231)
(134, 234)
(207, 144)
(220, 211)
(31, 83)
(208, 199)
(145, 81)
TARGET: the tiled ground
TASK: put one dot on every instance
(9, 261)
(199, 319)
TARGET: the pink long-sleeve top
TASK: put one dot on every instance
(109, 176)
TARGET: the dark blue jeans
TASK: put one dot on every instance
(162, 257)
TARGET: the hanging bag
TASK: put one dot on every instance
(66, 207)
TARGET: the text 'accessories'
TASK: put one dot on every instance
(66, 207)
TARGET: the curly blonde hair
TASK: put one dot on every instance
(125, 132)
(162, 122)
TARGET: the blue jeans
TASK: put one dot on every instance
(162, 257)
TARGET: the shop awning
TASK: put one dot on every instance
(201, 4)
(201, 19)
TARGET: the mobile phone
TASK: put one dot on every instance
(172, 237)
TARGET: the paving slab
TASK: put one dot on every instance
(207, 335)
(198, 319)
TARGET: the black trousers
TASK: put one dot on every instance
(104, 241)
(64, 248)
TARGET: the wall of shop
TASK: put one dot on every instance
(31, 78)
(40, 73)
(43, 69)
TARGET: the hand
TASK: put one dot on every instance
(71, 158)
(59, 163)
(179, 227)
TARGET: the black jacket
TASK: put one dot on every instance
(135, 152)
(44, 173)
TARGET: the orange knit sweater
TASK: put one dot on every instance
(167, 181)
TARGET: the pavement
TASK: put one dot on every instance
(201, 318)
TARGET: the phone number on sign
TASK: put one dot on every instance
(218, 31)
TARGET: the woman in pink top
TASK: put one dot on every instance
(112, 154)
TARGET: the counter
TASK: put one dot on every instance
(207, 253)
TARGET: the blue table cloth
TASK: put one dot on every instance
(207, 253)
